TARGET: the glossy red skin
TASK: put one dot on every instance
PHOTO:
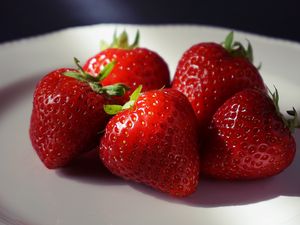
(208, 75)
(248, 140)
(133, 67)
(66, 118)
(155, 143)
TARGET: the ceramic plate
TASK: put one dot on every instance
(85, 193)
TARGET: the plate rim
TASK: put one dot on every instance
(262, 37)
(265, 39)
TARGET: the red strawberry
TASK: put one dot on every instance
(248, 138)
(68, 115)
(208, 74)
(134, 66)
(154, 142)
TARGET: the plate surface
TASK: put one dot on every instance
(86, 193)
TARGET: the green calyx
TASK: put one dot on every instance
(95, 81)
(121, 41)
(236, 48)
(293, 122)
(114, 109)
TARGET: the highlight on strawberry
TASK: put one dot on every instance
(209, 73)
(134, 65)
(68, 113)
(249, 138)
(152, 139)
(218, 118)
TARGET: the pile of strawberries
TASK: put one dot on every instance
(216, 118)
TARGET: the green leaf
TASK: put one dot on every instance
(135, 44)
(228, 41)
(106, 71)
(293, 122)
(90, 78)
(75, 75)
(123, 40)
(275, 98)
(115, 39)
(96, 87)
(236, 49)
(77, 62)
(115, 89)
(249, 52)
(103, 45)
(112, 109)
(259, 66)
(292, 112)
(290, 123)
(128, 105)
(134, 96)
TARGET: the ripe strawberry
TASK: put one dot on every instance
(249, 138)
(154, 141)
(68, 115)
(134, 66)
(208, 74)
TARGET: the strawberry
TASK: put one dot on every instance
(153, 140)
(249, 138)
(68, 115)
(134, 65)
(208, 74)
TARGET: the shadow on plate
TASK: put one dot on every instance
(210, 193)
(216, 193)
(89, 169)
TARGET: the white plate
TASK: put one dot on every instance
(30, 194)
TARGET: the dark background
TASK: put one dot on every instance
(25, 18)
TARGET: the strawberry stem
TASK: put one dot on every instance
(114, 109)
(94, 82)
(236, 49)
(121, 41)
